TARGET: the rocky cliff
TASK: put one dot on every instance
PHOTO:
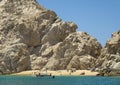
(78, 50)
(110, 54)
(33, 37)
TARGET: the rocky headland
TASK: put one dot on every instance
(35, 38)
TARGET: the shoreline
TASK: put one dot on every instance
(57, 73)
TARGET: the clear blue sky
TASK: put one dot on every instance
(99, 18)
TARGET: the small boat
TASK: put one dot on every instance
(44, 75)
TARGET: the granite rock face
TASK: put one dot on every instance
(78, 50)
(33, 37)
(14, 58)
(110, 54)
(17, 34)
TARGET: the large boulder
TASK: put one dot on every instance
(14, 58)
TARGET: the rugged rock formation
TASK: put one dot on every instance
(110, 54)
(78, 50)
(32, 37)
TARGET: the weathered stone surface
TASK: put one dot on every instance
(38, 62)
(32, 37)
(58, 32)
(110, 54)
(24, 22)
(79, 50)
(14, 58)
(20, 27)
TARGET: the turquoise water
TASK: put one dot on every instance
(59, 80)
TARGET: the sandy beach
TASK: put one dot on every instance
(59, 73)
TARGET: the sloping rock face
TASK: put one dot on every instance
(110, 54)
(32, 37)
(78, 50)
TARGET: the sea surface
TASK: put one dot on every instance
(59, 80)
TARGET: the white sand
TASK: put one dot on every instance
(59, 73)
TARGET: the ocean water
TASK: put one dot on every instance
(59, 80)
